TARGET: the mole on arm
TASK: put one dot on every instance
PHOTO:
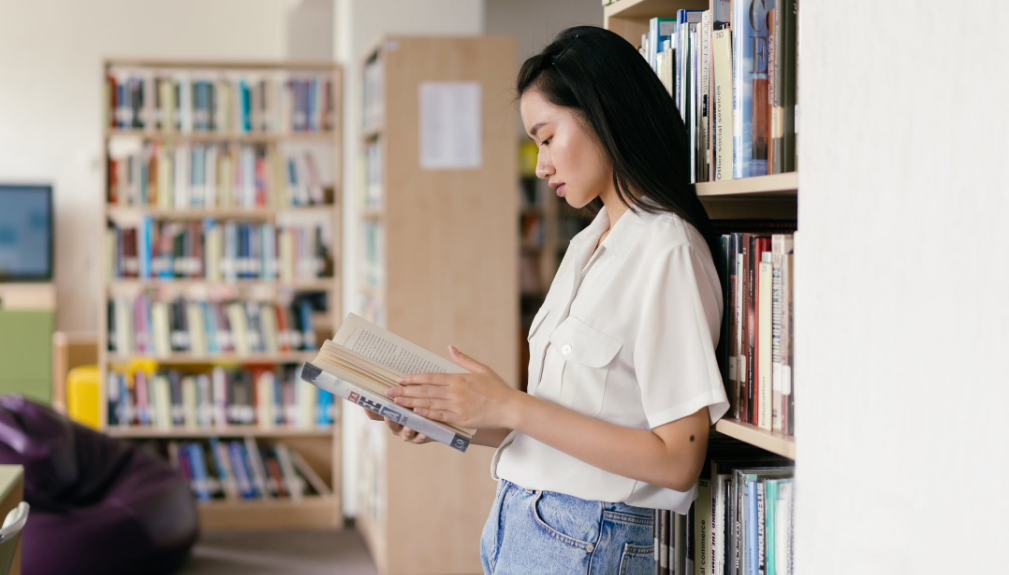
(691, 438)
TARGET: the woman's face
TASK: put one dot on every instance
(570, 158)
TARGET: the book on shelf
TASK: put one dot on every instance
(218, 251)
(160, 99)
(731, 72)
(363, 361)
(242, 469)
(213, 175)
(147, 325)
(263, 397)
(755, 344)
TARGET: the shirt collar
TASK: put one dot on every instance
(626, 230)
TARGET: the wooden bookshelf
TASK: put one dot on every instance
(140, 432)
(778, 443)
(271, 514)
(215, 137)
(450, 277)
(773, 197)
(221, 359)
(135, 212)
(629, 18)
(320, 284)
(319, 446)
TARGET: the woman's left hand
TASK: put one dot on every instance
(477, 400)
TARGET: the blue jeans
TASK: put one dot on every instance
(546, 533)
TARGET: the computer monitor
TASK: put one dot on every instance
(26, 232)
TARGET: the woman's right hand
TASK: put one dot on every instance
(405, 433)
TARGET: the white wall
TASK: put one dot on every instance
(901, 285)
(534, 23)
(50, 102)
(310, 30)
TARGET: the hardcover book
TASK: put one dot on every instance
(363, 361)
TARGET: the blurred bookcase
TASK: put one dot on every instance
(438, 267)
(220, 273)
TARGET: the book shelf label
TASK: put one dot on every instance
(450, 126)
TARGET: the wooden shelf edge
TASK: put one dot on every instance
(783, 185)
(321, 283)
(214, 359)
(198, 136)
(317, 512)
(780, 444)
(199, 213)
(138, 432)
(646, 9)
(301, 65)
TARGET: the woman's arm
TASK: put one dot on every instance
(670, 455)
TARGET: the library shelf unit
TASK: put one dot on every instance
(224, 431)
(305, 122)
(439, 268)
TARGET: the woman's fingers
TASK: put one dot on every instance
(393, 426)
(372, 415)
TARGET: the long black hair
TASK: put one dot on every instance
(602, 77)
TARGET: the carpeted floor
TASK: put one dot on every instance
(283, 552)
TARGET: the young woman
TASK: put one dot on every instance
(623, 380)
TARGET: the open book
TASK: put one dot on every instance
(363, 360)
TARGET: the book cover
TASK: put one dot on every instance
(750, 82)
(683, 19)
(664, 542)
(701, 526)
(764, 342)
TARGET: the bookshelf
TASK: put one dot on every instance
(255, 145)
(439, 268)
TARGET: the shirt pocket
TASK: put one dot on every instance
(588, 356)
(537, 345)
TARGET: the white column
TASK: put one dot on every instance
(901, 288)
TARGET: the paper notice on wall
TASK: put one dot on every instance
(451, 134)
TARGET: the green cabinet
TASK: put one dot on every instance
(26, 360)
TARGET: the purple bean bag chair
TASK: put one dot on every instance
(99, 505)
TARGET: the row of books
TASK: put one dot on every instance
(142, 325)
(266, 397)
(731, 71)
(740, 524)
(218, 251)
(373, 98)
(373, 192)
(756, 347)
(235, 470)
(232, 103)
(215, 175)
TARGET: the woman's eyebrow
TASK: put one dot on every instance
(535, 128)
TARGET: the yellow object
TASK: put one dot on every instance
(82, 395)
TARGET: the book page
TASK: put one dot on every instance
(388, 349)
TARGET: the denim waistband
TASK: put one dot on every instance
(612, 506)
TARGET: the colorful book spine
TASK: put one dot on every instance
(750, 83)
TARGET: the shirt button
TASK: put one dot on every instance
(590, 548)
(566, 350)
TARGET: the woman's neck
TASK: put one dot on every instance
(613, 206)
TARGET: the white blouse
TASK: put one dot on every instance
(626, 336)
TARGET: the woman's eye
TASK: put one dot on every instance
(547, 141)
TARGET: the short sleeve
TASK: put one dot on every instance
(674, 351)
